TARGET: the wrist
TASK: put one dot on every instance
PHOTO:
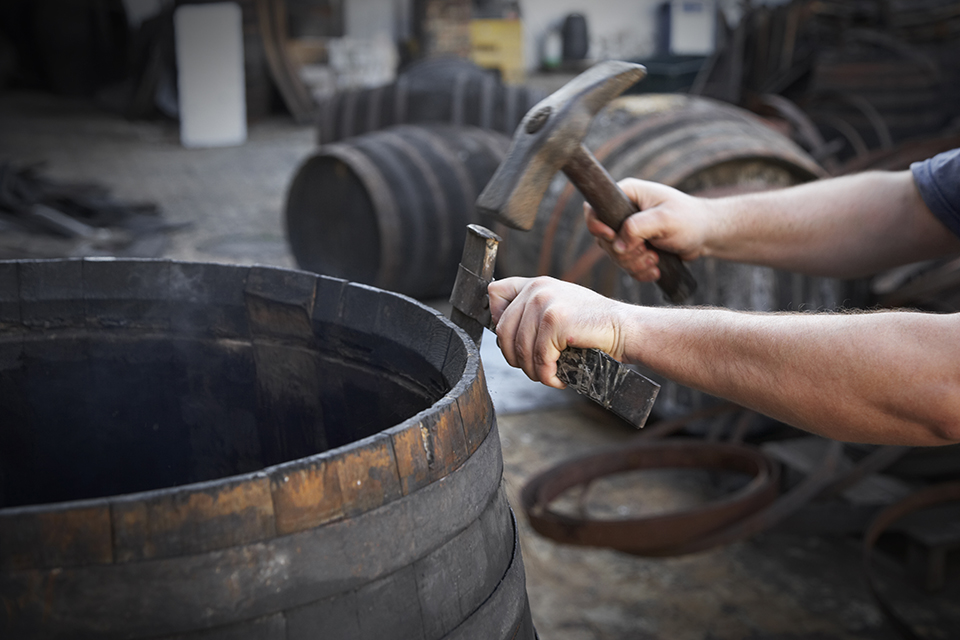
(636, 328)
(717, 217)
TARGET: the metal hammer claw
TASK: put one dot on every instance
(549, 139)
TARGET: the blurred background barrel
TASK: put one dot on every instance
(875, 91)
(447, 90)
(198, 450)
(699, 146)
(390, 208)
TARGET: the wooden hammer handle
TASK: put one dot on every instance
(613, 207)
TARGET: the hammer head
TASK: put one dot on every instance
(546, 139)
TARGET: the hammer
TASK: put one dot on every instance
(548, 139)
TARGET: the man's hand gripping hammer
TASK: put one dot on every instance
(549, 139)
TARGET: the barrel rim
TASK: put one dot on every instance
(471, 375)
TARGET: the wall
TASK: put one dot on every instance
(370, 18)
(618, 28)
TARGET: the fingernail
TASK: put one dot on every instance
(619, 246)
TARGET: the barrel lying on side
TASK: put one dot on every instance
(699, 146)
(390, 208)
(195, 449)
(436, 91)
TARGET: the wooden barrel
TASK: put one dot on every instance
(390, 208)
(446, 91)
(198, 450)
(699, 146)
(875, 91)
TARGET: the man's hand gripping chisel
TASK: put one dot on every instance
(550, 138)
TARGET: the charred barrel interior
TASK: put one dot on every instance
(196, 448)
(127, 405)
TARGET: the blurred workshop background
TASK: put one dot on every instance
(351, 138)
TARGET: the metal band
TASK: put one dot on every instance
(374, 96)
(400, 100)
(459, 97)
(488, 89)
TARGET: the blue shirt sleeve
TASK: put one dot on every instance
(938, 181)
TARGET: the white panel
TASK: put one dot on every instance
(618, 28)
(209, 40)
(369, 18)
(692, 26)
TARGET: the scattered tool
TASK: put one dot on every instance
(549, 139)
(590, 372)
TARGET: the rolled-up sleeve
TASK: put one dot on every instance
(938, 181)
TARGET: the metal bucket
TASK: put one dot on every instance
(197, 449)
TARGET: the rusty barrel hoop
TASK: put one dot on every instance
(656, 535)
(195, 449)
(696, 145)
(390, 208)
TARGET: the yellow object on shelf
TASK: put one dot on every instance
(498, 44)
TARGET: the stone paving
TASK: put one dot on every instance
(776, 586)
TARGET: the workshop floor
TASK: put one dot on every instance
(777, 586)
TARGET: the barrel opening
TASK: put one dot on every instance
(99, 408)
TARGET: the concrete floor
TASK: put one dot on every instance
(776, 586)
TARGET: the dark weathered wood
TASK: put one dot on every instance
(167, 524)
(390, 208)
(368, 475)
(413, 327)
(506, 613)
(388, 607)
(313, 620)
(326, 308)
(174, 428)
(220, 587)
(9, 294)
(359, 307)
(476, 410)
(132, 294)
(280, 303)
(459, 356)
(289, 411)
(470, 96)
(306, 495)
(208, 298)
(272, 627)
(51, 293)
(34, 538)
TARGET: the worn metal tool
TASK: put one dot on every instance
(590, 372)
(549, 139)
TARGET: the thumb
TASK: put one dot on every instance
(502, 293)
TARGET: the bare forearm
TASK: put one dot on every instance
(844, 227)
(889, 378)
